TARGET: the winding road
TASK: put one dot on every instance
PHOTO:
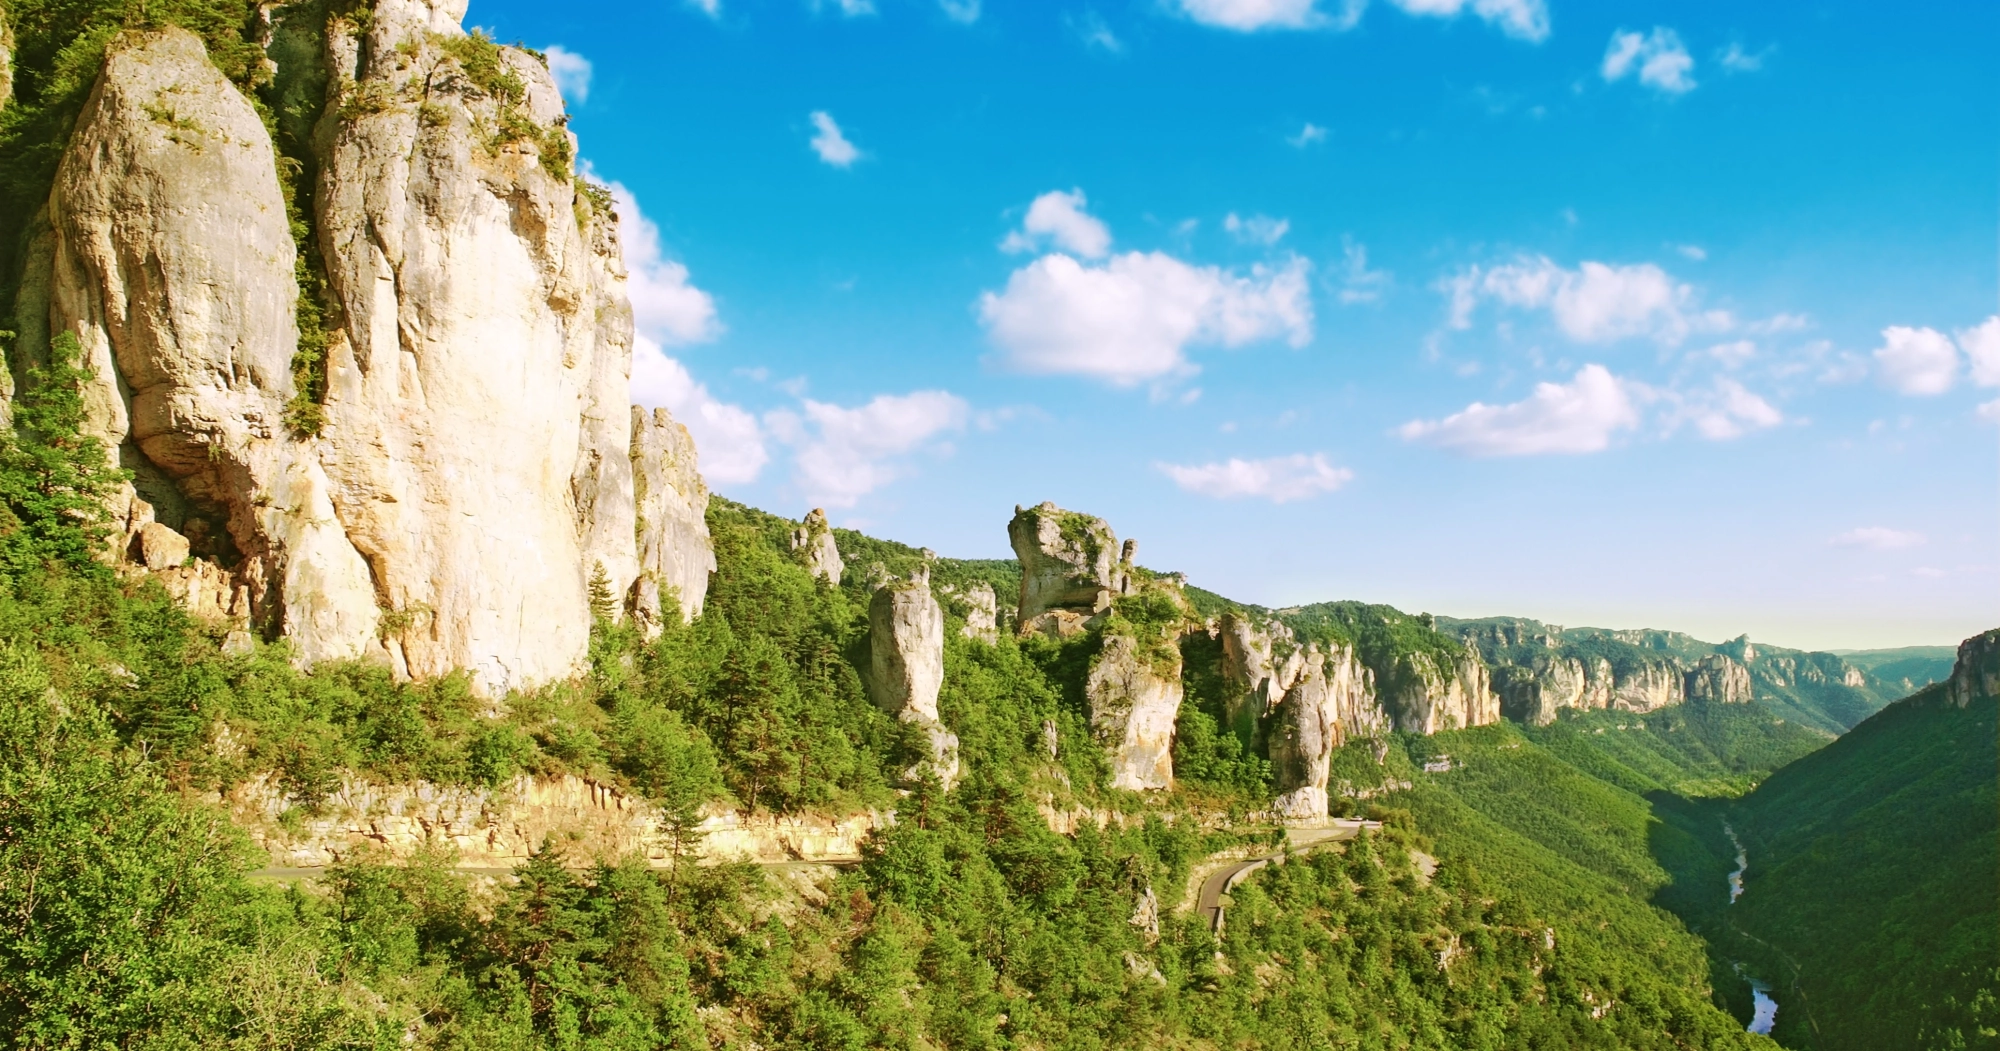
(1210, 902)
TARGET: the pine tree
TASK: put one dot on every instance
(54, 478)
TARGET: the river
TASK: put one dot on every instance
(1766, 1012)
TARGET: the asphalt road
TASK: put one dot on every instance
(1210, 902)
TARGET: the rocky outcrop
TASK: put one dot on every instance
(1332, 701)
(474, 466)
(1134, 691)
(1071, 568)
(1534, 693)
(671, 519)
(1424, 693)
(980, 607)
(1718, 679)
(1977, 671)
(500, 828)
(906, 664)
(813, 542)
(1648, 685)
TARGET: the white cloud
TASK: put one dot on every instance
(964, 12)
(1733, 355)
(1307, 135)
(843, 454)
(1694, 252)
(1091, 28)
(1131, 318)
(830, 144)
(1248, 16)
(1058, 218)
(1878, 538)
(1917, 361)
(711, 8)
(1521, 19)
(1728, 411)
(1595, 303)
(1358, 283)
(1575, 417)
(1660, 59)
(1279, 479)
(1982, 345)
(571, 72)
(729, 445)
(665, 305)
(1258, 229)
(847, 8)
(1736, 60)
(1990, 412)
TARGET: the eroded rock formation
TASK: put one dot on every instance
(1977, 671)
(906, 664)
(472, 467)
(813, 542)
(1071, 568)
(1424, 693)
(1332, 701)
(1134, 691)
(980, 607)
(1718, 680)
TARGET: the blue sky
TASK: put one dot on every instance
(1672, 315)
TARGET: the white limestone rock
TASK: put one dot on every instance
(1071, 565)
(1424, 694)
(1134, 691)
(980, 607)
(1332, 701)
(813, 541)
(1718, 679)
(906, 664)
(1649, 685)
(671, 520)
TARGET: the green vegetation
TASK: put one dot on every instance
(1869, 902)
(1905, 668)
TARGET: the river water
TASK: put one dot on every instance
(1766, 1012)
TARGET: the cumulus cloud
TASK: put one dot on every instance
(1307, 135)
(842, 454)
(1575, 417)
(1919, 361)
(1659, 58)
(830, 144)
(1982, 345)
(1258, 229)
(1878, 538)
(1733, 355)
(1595, 303)
(1279, 479)
(1132, 318)
(1058, 218)
(571, 72)
(1726, 411)
(1521, 19)
(666, 305)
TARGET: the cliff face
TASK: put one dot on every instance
(1426, 693)
(1332, 700)
(1977, 673)
(1135, 696)
(477, 465)
(906, 664)
(1718, 680)
(1071, 567)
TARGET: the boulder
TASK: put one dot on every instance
(1070, 564)
(160, 548)
(813, 542)
(1134, 692)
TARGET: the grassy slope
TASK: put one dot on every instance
(1873, 867)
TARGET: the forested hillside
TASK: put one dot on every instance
(1870, 901)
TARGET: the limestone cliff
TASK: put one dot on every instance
(980, 607)
(1718, 680)
(1977, 672)
(813, 542)
(1332, 701)
(473, 467)
(906, 664)
(1071, 568)
(1424, 693)
(1134, 691)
